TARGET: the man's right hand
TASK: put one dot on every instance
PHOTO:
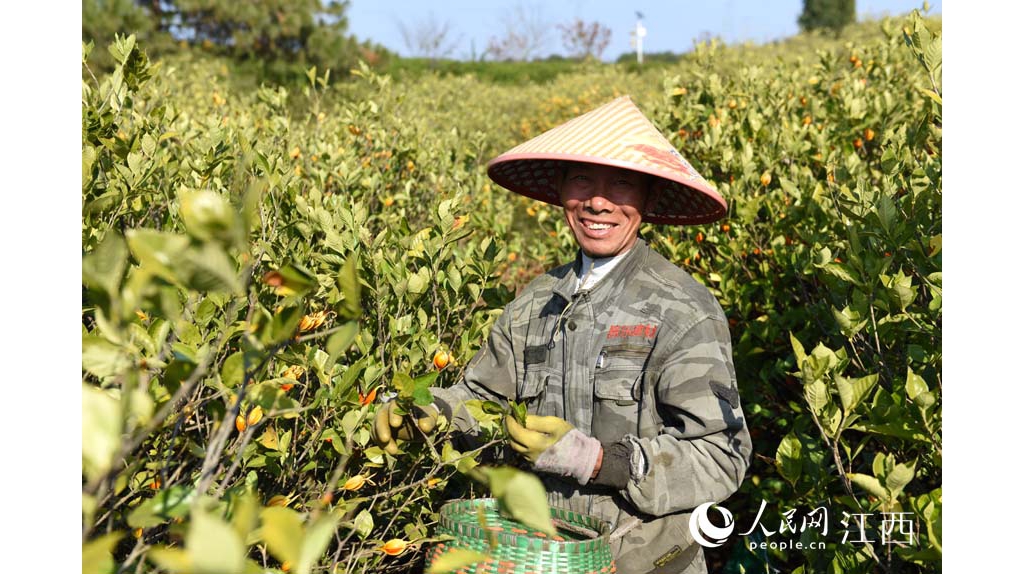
(389, 425)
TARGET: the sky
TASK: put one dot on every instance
(671, 26)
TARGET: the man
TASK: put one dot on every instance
(623, 359)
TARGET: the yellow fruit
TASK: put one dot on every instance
(294, 372)
(766, 178)
(254, 416)
(278, 500)
(394, 547)
(354, 483)
(312, 321)
(441, 359)
(869, 134)
(295, 153)
(240, 423)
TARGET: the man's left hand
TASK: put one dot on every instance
(555, 446)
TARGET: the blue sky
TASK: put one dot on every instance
(671, 25)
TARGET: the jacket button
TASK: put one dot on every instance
(571, 325)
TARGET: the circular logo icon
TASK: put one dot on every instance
(704, 532)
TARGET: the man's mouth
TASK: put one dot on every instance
(596, 225)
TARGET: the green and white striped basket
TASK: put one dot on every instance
(517, 549)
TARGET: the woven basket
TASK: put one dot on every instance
(519, 550)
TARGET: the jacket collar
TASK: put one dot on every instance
(566, 286)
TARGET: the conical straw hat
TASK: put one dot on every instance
(616, 134)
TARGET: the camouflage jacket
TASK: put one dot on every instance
(645, 357)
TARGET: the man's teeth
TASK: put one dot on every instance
(598, 225)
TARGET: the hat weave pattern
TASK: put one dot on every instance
(616, 134)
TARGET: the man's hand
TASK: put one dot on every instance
(555, 446)
(389, 425)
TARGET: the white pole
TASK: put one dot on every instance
(640, 33)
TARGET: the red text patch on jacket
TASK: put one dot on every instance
(622, 331)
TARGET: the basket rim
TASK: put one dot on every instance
(449, 525)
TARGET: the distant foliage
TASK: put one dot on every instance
(829, 15)
(283, 37)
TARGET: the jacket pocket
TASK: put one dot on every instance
(618, 376)
(534, 388)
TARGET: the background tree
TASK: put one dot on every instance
(281, 36)
(832, 15)
(428, 38)
(585, 40)
(525, 35)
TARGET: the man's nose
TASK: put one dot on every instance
(598, 200)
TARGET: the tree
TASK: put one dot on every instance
(428, 38)
(526, 34)
(583, 40)
(830, 15)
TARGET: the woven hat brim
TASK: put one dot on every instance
(683, 199)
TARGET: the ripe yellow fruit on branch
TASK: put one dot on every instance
(354, 483)
(240, 423)
(278, 500)
(394, 547)
(312, 321)
(254, 416)
(441, 359)
(766, 178)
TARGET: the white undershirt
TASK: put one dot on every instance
(602, 266)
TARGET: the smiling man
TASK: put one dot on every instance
(623, 359)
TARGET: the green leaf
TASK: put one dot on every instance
(101, 431)
(283, 325)
(788, 458)
(209, 268)
(363, 523)
(816, 395)
(886, 210)
(853, 391)
(104, 267)
(282, 532)
(901, 287)
(869, 484)
(348, 282)
(455, 559)
(339, 342)
(899, 477)
(102, 358)
(318, 536)
(521, 495)
(170, 559)
(418, 281)
(96, 553)
(214, 546)
(232, 371)
(209, 216)
(168, 504)
(244, 514)
(839, 270)
(798, 349)
(915, 384)
(157, 251)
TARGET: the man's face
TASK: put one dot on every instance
(603, 205)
